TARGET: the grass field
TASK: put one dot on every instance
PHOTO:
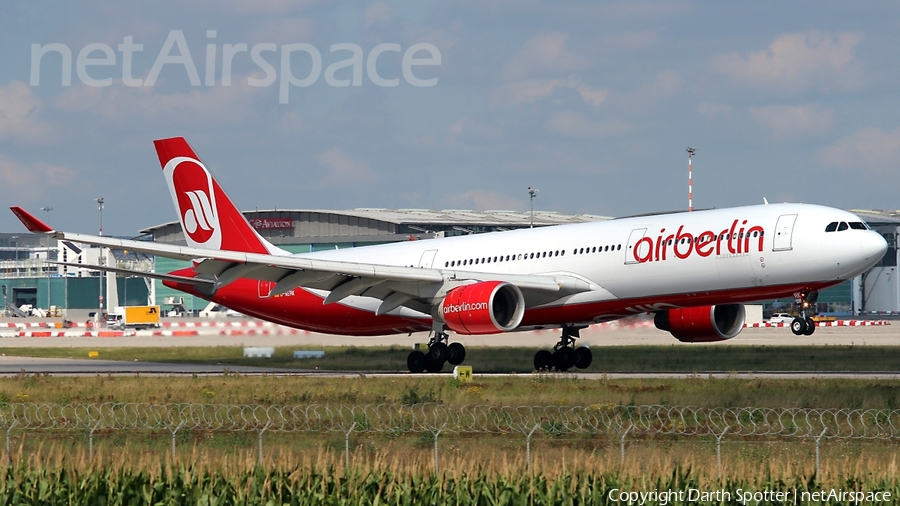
(523, 390)
(672, 358)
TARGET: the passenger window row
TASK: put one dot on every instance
(835, 226)
(596, 249)
(502, 258)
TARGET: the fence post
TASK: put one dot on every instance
(719, 451)
(259, 442)
(528, 446)
(817, 450)
(347, 445)
(437, 433)
(180, 425)
(9, 428)
(91, 442)
(622, 441)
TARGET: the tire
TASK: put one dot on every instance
(583, 357)
(433, 366)
(798, 326)
(543, 360)
(438, 352)
(810, 327)
(456, 353)
(563, 359)
(415, 362)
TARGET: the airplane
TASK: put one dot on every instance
(692, 270)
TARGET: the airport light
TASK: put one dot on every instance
(690, 152)
(100, 201)
(532, 193)
(47, 209)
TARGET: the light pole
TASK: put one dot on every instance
(47, 209)
(99, 201)
(690, 152)
(532, 193)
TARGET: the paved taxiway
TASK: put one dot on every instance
(599, 336)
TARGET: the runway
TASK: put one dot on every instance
(631, 333)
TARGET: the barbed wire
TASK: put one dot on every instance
(646, 420)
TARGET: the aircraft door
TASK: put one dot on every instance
(636, 235)
(783, 231)
(427, 259)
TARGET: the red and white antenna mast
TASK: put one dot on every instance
(691, 152)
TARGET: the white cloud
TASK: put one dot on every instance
(713, 111)
(283, 31)
(797, 62)
(229, 105)
(666, 84)
(543, 53)
(19, 108)
(530, 91)
(573, 124)
(343, 170)
(378, 12)
(630, 40)
(789, 121)
(259, 6)
(481, 200)
(870, 149)
(29, 181)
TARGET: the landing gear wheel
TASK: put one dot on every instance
(415, 362)
(433, 366)
(564, 359)
(456, 353)
(543, 360)
(810, 327)
(583, 357)
(798, 326)
(438, 352)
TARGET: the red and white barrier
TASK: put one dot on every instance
(837, 323)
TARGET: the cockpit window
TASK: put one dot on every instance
(858, 225)
(831, 226)
(843, 226)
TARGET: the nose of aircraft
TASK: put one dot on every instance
(873, 246)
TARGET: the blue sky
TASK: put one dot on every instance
(593, 103)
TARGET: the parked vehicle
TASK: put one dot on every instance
(133, 317)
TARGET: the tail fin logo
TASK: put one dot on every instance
(194, 191)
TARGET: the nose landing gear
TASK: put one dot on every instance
(804, 325)
(564, 355)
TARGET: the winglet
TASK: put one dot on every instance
(31, 223)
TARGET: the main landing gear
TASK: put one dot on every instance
(564, 355)
(804, 325)
(438, 353)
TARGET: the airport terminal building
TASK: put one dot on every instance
(29, 279)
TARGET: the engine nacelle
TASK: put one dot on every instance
(705, 324)
(488, 307)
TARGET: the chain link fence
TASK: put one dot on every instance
(436, 419)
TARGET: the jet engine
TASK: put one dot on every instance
(705, 324)
(488, 307)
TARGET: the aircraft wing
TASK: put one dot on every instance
(395, 285)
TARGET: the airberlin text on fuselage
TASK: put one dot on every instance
(735, 240)
(465, 307)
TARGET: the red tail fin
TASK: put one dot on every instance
(32, 223)
(208, 217)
